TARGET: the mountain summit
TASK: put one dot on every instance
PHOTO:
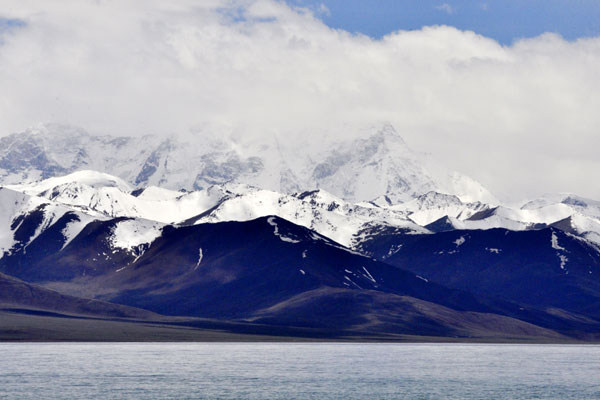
(355, 163)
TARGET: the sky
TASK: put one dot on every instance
(505, 93)
(504, 20)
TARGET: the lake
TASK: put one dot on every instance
(298, 371)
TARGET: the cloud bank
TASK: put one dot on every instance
(522, 119)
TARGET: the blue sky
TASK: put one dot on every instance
(8, 23)
(504, 20)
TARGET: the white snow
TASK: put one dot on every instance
(90, 192)
(14, 204)
(554, 242)
(369, 276)
(563, 260)
(432, 206)
(101, 196)
(352, 282)
(73, 228)
(493, 250)
(458, 242)
(200, 256)
(131, 234)
(92, 179)
(357, 177)
(155, 193)
(11, 204)
(393, 250)
(365, 164)
(271, 221)
(302, 272)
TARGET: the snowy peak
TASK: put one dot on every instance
(353, 163)
(365, 168)
(101, 195)
(432, 206)
(79, 179)
(155, 193)
(436, 200)
(317, 210)
(582, 226)
(566, 201)
(23, 218)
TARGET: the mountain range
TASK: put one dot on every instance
(361, 238)
(370, 162)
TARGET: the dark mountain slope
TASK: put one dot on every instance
(16, 294)
(546, 268)
(260, 270)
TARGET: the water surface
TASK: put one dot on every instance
(298, 371)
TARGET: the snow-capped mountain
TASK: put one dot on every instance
(345, 189)
(368, 163)
(90, 234)
(99, 194)
(24, 218)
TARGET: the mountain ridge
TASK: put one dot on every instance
(361, 167)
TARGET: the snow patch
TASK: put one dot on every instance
(134, 235)
(200, 255)
(458, 242)
(333, 244)
(493, 250)
(352, 282)
(369, 276)
(271, 221)
(563, 260)
(393, 250)
(554, 242)
(73, 228)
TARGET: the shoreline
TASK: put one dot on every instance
(26, 328)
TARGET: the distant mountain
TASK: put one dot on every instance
(370, 162)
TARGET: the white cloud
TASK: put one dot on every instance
(445, 7)
(522, 119)
(322, 9)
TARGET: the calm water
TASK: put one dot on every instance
(302, 371)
